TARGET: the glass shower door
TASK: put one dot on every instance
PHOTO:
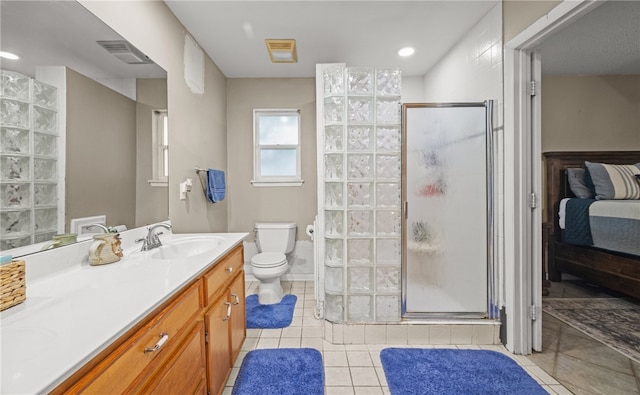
(446, 189)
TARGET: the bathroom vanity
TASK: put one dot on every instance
(151, 323)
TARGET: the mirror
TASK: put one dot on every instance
(112, 92)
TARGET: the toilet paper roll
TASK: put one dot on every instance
(310, 231)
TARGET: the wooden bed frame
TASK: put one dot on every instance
(616, 271)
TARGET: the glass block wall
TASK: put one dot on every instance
(28, 161)
(360, 187)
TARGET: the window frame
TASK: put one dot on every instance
(160, 165)
(260, 180)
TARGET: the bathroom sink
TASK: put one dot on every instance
(186, 247)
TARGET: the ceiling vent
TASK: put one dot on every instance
(126, 52)
(282, 51)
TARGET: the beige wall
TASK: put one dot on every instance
(269, 204)
(101, 156)
(152, 203)
(519, 14)
(590, 113)
(197, 122)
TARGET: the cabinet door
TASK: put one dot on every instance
(183, 373)
(238, 315)
(217, 321)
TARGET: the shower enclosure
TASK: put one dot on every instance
(447, 266)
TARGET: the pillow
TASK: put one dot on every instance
(614, 181)
(577, 183)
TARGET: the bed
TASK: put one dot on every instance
(616, 270)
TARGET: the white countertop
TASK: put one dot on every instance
(73, 314)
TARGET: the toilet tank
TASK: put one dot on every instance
(275, 236)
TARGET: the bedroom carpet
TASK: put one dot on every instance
(612, 321)
(282, 371)
(454, 371)
(270, 316)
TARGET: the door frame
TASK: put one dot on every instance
(523, 266)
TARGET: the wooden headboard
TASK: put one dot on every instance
(557, 186)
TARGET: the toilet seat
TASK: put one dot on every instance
(269, 259)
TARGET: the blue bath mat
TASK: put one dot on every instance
(281, 371)
(454, 372)
(270, 316)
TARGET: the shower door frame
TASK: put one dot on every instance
(491, 305)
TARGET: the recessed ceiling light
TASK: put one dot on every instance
(9, 55)
(406, 51)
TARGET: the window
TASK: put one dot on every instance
(276, 158)
(160, 146)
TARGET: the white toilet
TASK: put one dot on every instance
(273, 240)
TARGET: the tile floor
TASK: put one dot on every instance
(582, 364)
(349, 369)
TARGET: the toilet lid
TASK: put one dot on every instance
(268, 259)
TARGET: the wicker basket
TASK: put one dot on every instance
(12, 284)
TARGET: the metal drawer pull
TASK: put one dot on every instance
(228, 311)
(163, 339)
(230, 269)
(237, 298)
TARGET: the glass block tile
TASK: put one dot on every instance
(45, 194)
(333, 110)
(7, 244)
(333, 195)
(388, 166)
(42, 237)
(387, 308)
(360, 223)
(333, 139)
(333, 167)
(360, 194)
(388, 195)
(333, 81)
(333, 223)
(388, 111)
(359, 138)
(388, 82)
(334, 308)
(388, 138)
(14, 168)
(360, 81)
(44, 120)
(388, 223)
(360, 166)
(388, 279)
(14, 196)
(333, 251)
(360, 279)
(388, 252)
(45, 144)
(14, 113)
(14, 85)
(333, 279)
(360, 251)
(44, 169)
(44, 95)
(46, 219)
(360, 110)
(15, 223)
(360, 308)
(14, 140)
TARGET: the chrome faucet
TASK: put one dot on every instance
(104, 228)
(152, 240)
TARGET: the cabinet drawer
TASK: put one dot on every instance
(223, 272)
(115, 373)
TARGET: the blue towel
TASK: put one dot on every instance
(215, 185)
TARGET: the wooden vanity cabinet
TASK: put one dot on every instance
(195, 337)
(225, 320)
